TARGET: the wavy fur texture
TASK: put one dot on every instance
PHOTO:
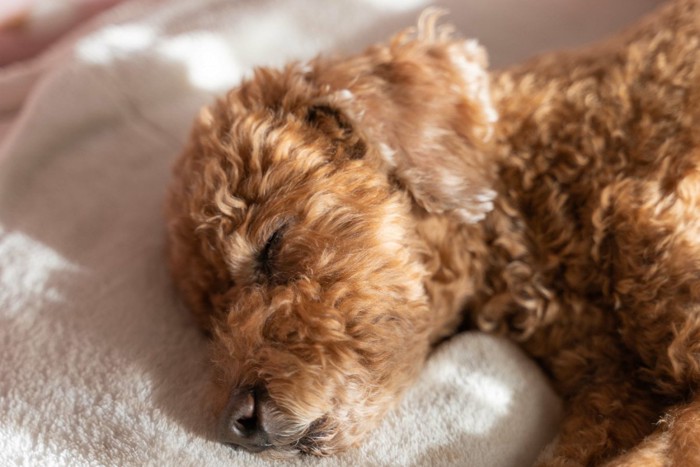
(331, 222)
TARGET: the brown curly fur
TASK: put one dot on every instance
(404, 208)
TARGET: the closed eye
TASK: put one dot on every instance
(267, 254)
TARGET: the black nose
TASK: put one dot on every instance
(242, 422)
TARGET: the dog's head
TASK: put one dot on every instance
(292, 232)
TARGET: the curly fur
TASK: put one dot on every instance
(331, 222)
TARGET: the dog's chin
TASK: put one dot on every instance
(315, 441)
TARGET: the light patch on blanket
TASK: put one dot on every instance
(113, 42)
(486, 397)
(463, 399)
(207, 58)
(397, 5)
(20, 445)
(25, 273)
(495, 395)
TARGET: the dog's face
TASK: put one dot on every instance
(292, 236)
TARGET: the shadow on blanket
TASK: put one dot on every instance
(99, 292)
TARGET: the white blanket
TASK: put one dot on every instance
(99, 362)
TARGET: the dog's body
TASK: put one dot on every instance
(331, 223)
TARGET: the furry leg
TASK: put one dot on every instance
(676, 440)
(602, 420)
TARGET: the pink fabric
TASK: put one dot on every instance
(29, 26)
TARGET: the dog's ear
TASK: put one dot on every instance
(439, 130)
(423, 106)
(457, 180)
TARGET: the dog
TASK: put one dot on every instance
(331, 222)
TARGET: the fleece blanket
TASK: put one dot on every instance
(100, 363)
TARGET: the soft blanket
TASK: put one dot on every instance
(100, 363)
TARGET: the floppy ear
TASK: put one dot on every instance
(424, 104)
(441, 150)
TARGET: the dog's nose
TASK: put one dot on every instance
(242, 422)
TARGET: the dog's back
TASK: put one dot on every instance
(599, 155)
